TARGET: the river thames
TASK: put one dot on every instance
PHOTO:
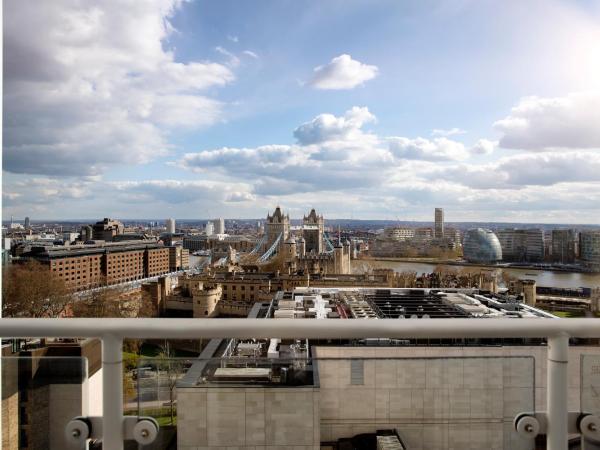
(542, 277)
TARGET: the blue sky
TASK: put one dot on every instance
(367, 109)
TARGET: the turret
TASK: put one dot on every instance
(290, 248)
(301, 245)
(529, 292)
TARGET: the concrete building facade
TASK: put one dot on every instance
(170, 225)
(219, 226)
(107, 229)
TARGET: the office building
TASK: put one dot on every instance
(27, 223)
(589, 248)
(399, 233)
(219, 226)
(170, 225)
(302, 394)
(209, 228)
(107, 229)
(481, 245)
(521, 245)
(453, 235)
(439, 223)
(86, 234)
(564, 246)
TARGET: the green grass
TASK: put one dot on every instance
(152, 351)
(162, 415)
(568, 314)
(166, 420)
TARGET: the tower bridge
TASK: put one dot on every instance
(305, 247)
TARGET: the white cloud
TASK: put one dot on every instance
(449, 132)
(437, 149)
(235, 197)
(342, 72)
(250, 53)
(233, 38)
(570, 122)
(327, 127)
(179, 191)
(333, 153)
(92, 85)
(529, 169)
(484, 147)
(232, 60)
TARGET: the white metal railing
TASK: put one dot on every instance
(113, 331)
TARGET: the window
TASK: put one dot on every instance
(357, 372)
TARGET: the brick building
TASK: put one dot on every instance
(88, 266)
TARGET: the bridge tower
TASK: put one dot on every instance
(312, 232)
(277, 224)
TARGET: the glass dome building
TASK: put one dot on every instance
(481, 245)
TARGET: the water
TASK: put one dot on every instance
(542, 277)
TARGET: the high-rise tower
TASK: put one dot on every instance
(170, 224)
(219, 225)
(439, 223)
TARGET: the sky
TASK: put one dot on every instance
(369, 109)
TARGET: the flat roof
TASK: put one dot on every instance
(124, 246)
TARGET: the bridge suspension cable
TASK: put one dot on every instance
(328, 243)
(259, 245)
(271, 249)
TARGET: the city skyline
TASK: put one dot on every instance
(226, 110)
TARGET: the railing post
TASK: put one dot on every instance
(112, 392)
(557, 392)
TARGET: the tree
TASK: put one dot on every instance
(130, 362)
(113, 302)
(276, 262)
(173, 369)
(33, 290)
(508, 279)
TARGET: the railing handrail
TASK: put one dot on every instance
(163, 328)
(113, 331)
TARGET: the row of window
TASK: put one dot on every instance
(242, 298)
(234, 287)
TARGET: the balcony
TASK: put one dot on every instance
(261, 384)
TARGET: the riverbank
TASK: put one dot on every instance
(461, 263)
(546, 278)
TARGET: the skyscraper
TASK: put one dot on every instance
(439, 223)
(170, 225)
(27, 223)
(209, 228)
(219, 225)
